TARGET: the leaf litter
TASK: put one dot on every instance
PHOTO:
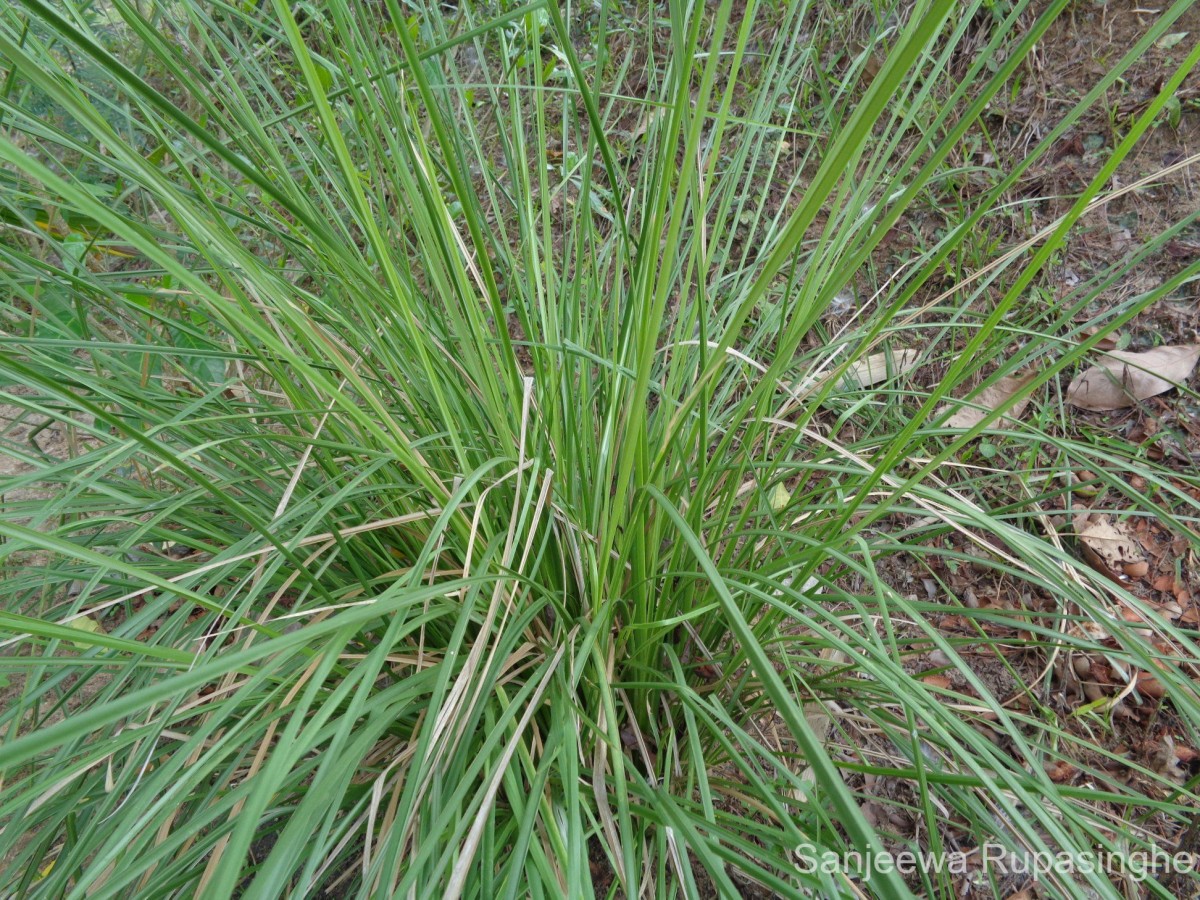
(1121, 378)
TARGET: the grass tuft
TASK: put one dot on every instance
(487, 455)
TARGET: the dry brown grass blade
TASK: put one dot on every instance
(216, 858)
(458, 876)
(612, 834)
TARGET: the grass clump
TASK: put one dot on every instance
(468, 490)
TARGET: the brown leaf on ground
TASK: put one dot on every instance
(1187, 755)
(1110, 547)
(1072, 146)
(1180, 249)
(1108, 342)
(1060, 771)
(1150, 686)
(996, 397)
(1166, 760)
(874, 813)
(1122, 378)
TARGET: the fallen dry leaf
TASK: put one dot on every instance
(996, 397)
(1187, 754)
(881, 366)
(1164, 583)
(1110, 341)
(1122, 378)
(1150, 686)
(873, 813)
(865, 372)
(1166, 759)
(1180, 249)
(1110, 547)
(1167, 41)
(1060, 771)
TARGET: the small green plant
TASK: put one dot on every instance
(455, 503)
